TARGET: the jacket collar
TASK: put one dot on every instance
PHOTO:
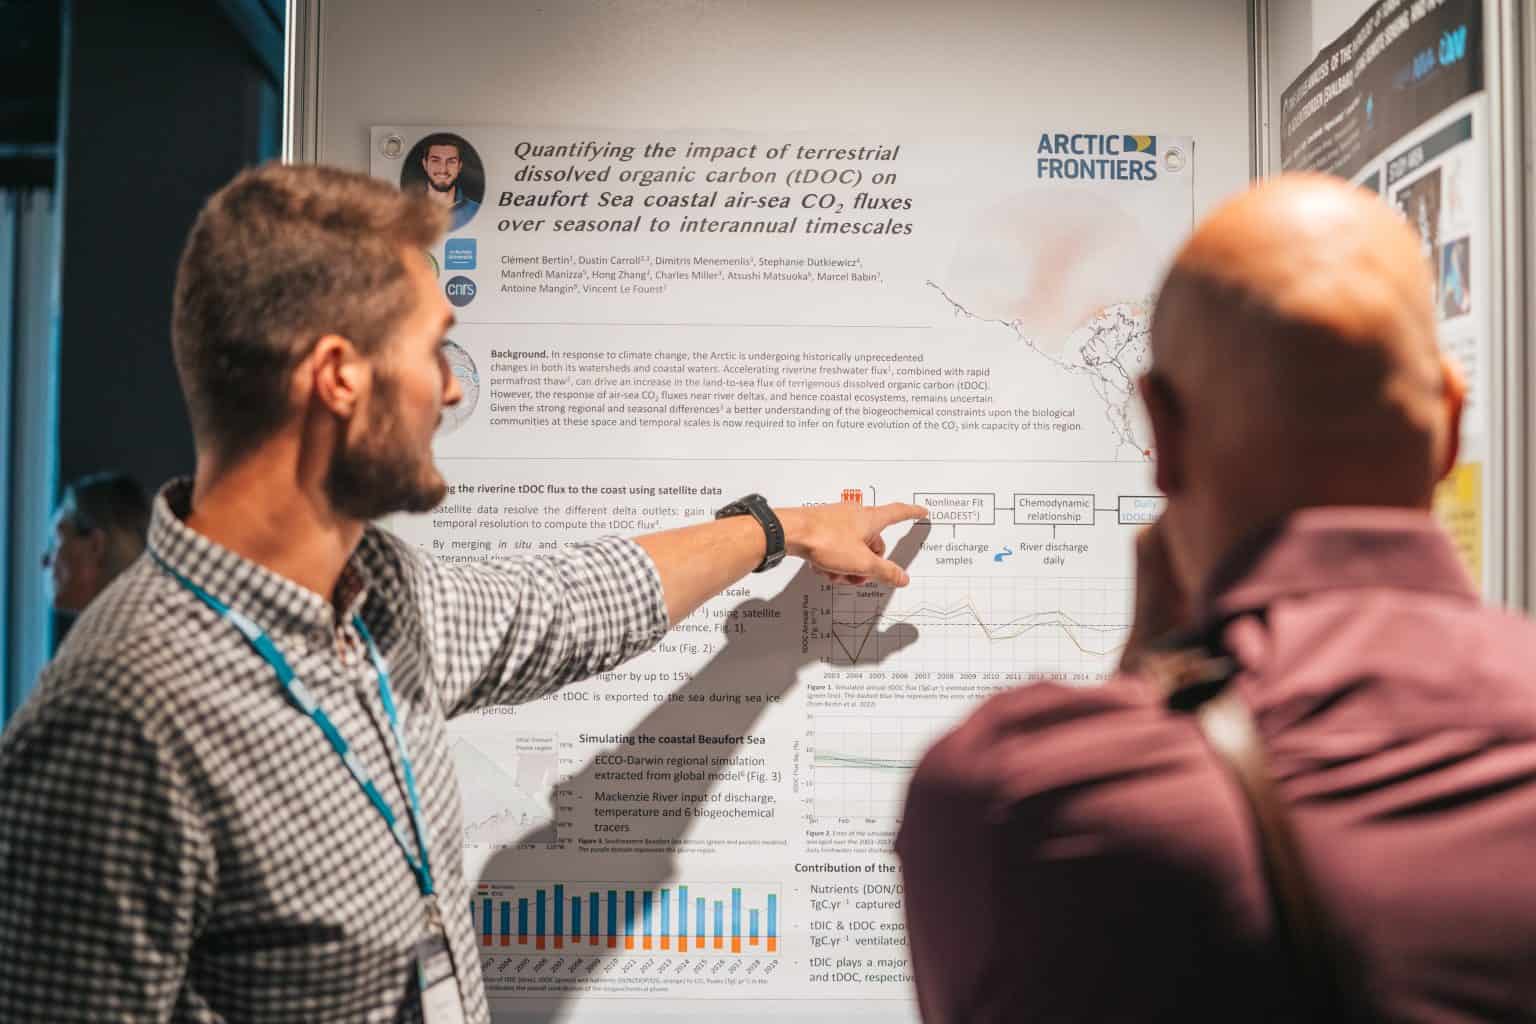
(278, 605)
(1337, 548)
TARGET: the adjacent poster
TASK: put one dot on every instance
(652, 326)
(1397, 105)
(1401, 63)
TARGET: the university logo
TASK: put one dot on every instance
(459, 253)
(460, 290)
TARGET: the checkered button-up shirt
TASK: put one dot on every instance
(179, 842)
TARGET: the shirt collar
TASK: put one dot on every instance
(275, 603)
(1337, 548)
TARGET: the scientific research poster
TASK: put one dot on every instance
(652, 326)
(1397, 105)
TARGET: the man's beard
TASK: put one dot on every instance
(382, 472)
(448, 187)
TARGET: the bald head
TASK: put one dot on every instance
(1295, 361)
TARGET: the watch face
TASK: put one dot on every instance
(748, 505)
(758, 508)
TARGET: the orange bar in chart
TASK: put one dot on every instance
(649, 921)
(540, 900)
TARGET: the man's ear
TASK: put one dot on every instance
(1455, 398)
(335, 374)
(1167, 418)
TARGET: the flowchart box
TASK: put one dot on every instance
(1053, 509)
(1140, 509)
(962, 509)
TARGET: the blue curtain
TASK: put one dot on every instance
(29, 304)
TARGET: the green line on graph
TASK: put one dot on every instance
(836, 760)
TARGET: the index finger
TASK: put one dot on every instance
(895, 512)
(872, 566)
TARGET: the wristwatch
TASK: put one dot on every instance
(756, 506)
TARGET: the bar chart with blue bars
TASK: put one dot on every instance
(701, 918)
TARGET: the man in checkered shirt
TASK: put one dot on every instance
(178, 841)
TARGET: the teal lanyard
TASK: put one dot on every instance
(301, 697)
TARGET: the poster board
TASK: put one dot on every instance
(638, 377)
(1416, 100)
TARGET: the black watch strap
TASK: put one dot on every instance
(756, 506)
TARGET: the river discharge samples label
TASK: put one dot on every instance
(652, 326)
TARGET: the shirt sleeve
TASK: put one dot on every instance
(108, 869)
(511, 631)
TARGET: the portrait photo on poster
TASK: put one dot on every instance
(447, 168)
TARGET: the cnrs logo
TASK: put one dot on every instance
(460, 290)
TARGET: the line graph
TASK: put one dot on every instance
(861, 763)
(1068, 626)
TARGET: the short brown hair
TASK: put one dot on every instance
(115, 504)
(278, 258)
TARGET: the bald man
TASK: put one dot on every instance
(1080, 854)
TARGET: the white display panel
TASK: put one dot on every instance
(835, 321)
(980, 363)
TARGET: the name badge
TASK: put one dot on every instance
(440, 1003)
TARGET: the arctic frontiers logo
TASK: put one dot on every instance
(1094, 157)
(460, 290)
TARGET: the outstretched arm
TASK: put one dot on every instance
(841, 541)
(511, 631)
